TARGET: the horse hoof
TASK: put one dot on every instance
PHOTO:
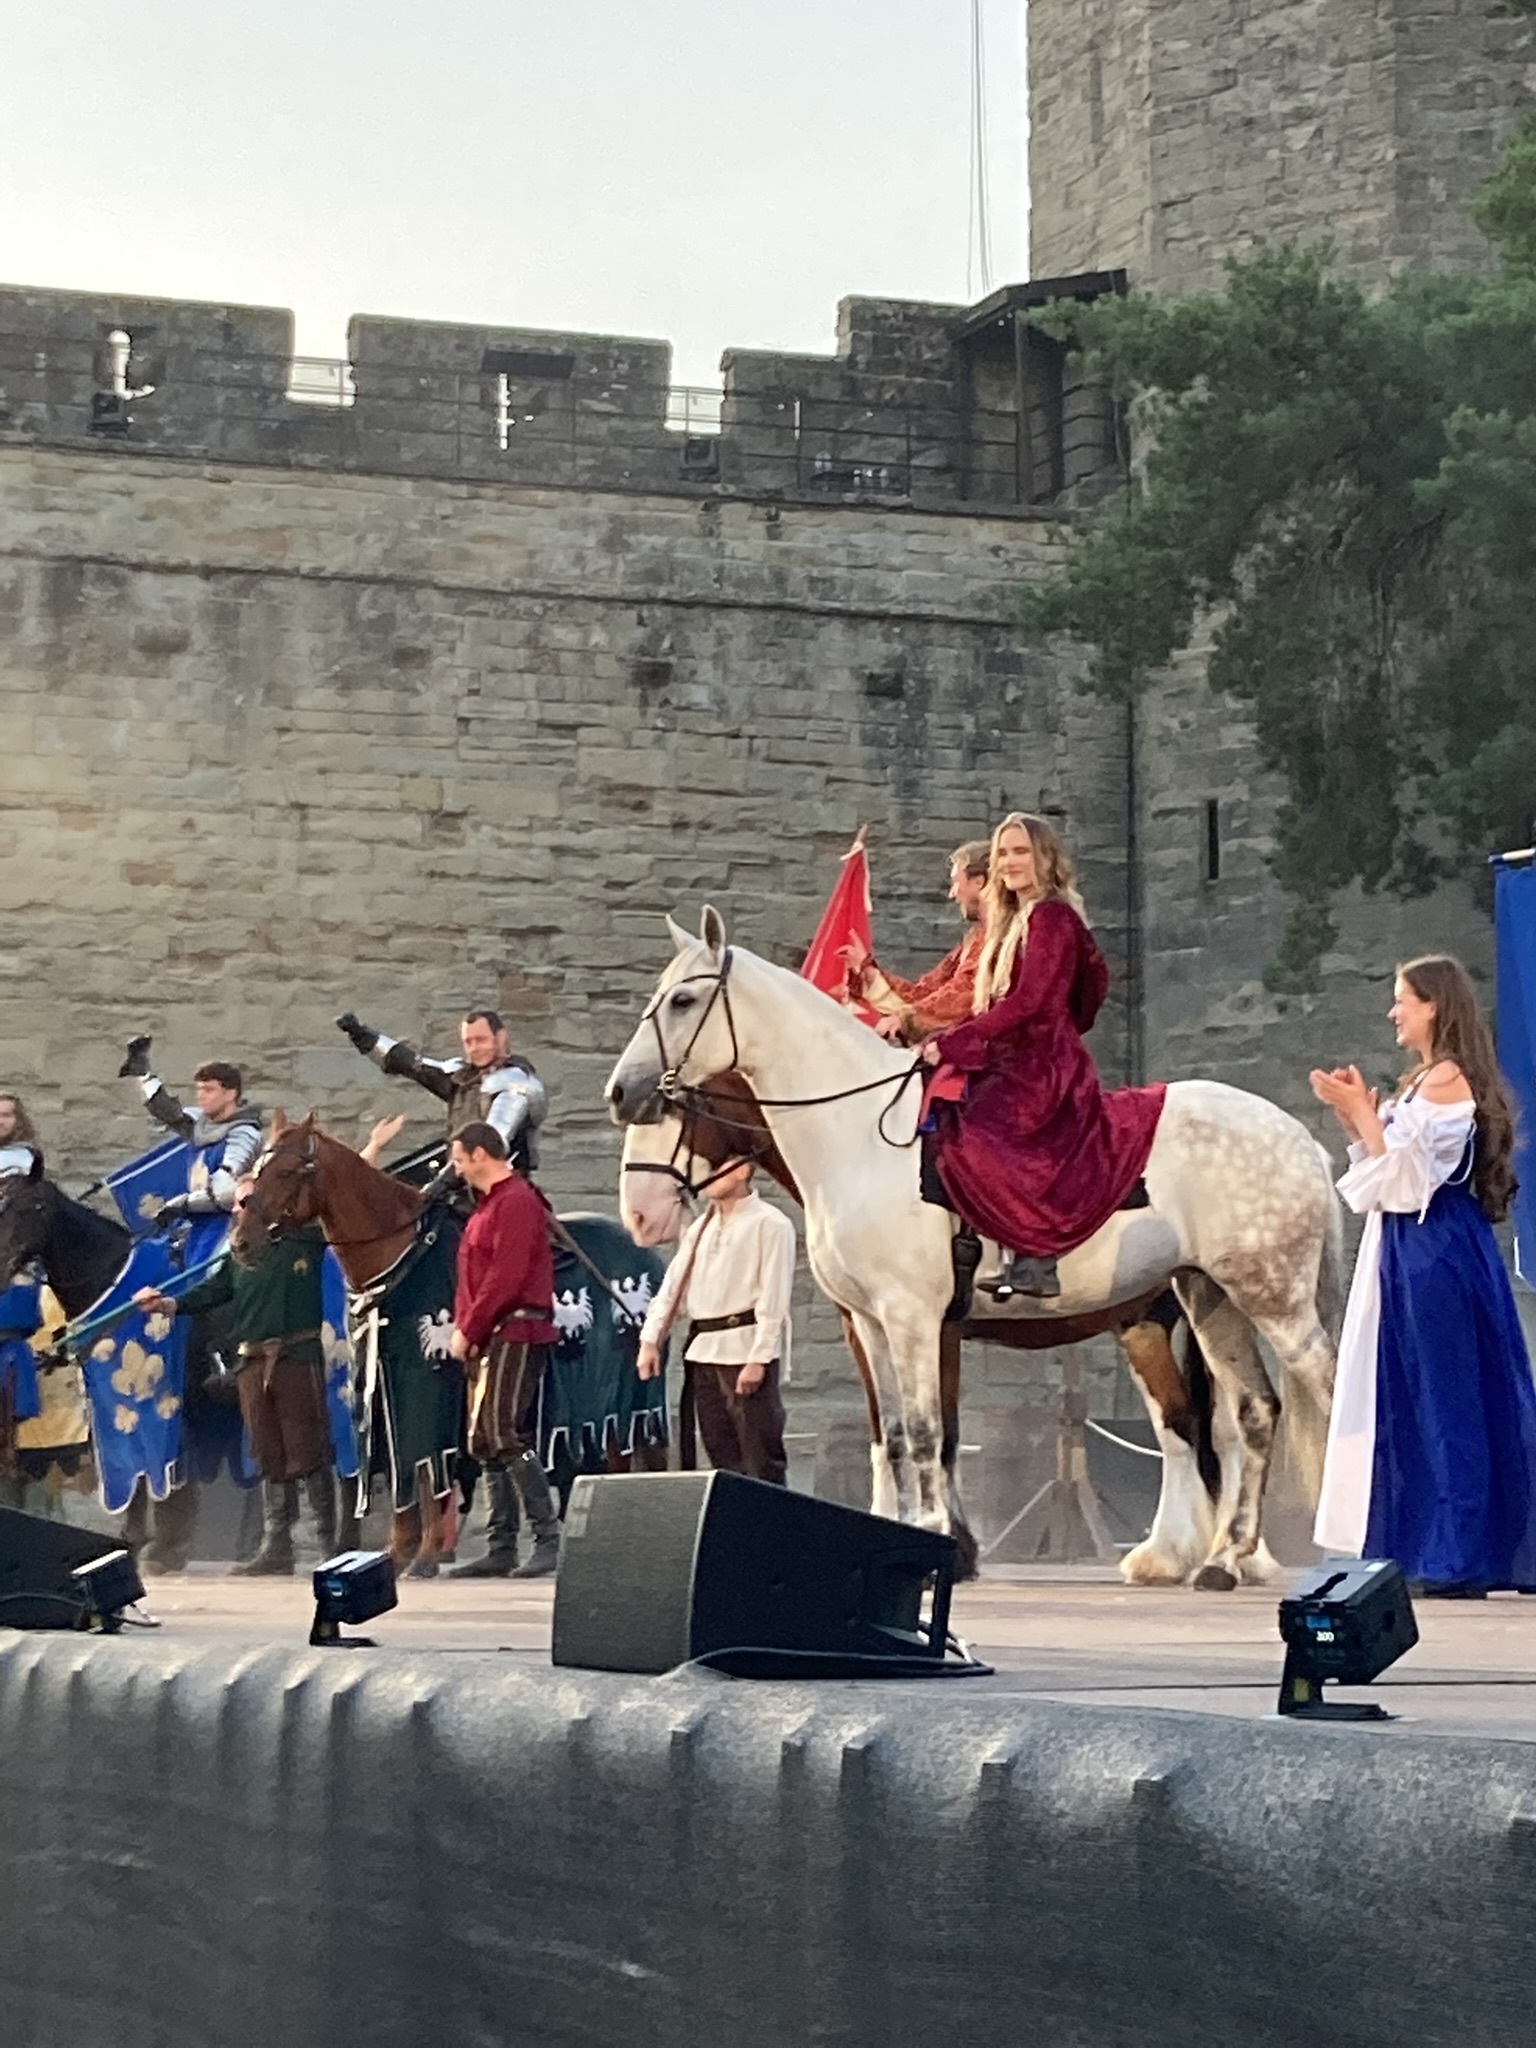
(1143, 1567)
(1215, 1578)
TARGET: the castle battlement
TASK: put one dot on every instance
(937, 404)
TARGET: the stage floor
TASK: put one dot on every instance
(1075, 1635)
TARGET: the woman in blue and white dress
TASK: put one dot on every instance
(1432, 1442)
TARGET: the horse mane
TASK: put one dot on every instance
(410, 1198)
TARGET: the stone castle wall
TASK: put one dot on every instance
(1165, 138)
(275, 743)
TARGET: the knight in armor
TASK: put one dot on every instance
(224, 1131)
(20, 1149)
(489, 1084)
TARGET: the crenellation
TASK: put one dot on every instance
(892, 415)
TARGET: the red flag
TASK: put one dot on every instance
(845, 918)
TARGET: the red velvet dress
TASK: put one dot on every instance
(1037, 1155)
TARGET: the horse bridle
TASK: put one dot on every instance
(673, 1089)
(309, 1166)
(689, 1114)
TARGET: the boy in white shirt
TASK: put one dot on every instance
(732, 1278)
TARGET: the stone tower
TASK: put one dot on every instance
(1166, 135)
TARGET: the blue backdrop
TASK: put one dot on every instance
(1515, 910)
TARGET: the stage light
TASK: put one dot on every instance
(107, 1585)
(351, 1588)
(1344, 1624)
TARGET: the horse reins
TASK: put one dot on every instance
(672, 1088)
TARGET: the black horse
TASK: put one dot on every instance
(81, 1253)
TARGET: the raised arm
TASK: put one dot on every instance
(397, 1056)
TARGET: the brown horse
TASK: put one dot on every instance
(732, 1125)
(371, 1222)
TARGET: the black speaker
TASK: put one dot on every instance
(1345, 1622)
(671, 1568)
(38, 1560)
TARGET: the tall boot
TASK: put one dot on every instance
(175, 1521)
(320, 1493)
(539, 1507)
(500, 1528)
(280, 1507)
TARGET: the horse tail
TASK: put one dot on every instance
(1307, 1396)
(1331, 1288)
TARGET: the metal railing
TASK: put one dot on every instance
(321, 380)
(580, 430)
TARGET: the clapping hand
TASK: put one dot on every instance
(855, 955)
(1345, 1092)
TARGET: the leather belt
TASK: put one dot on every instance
(521, 1315)
(704, 1326)
(259, 1344)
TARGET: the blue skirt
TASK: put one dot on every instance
(1453, 1481)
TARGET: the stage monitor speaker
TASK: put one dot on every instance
(38, 1559)
(668, 1568)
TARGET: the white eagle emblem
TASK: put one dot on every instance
(634, 1298)
(573, 1314)
(435, 1334)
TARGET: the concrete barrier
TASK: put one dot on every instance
(217, 1847)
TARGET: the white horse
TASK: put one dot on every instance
(669, 1160)
(1243, 1219)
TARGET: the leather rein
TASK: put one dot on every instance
(693, 1099)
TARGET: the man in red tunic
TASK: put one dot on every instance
(503, 1328)
(912, 1010)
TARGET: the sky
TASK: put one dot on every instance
(717, 175)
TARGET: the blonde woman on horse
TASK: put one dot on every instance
(1031, 1149)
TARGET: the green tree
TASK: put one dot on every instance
(1339, 490)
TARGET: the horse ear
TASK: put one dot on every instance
(680, 939)
(712, 929)
(279, 1122)
(309, 1121)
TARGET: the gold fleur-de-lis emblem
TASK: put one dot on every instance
(138, 1373)
(126, 1419)
(150, 1207)
(167, 1406)
(157, 1327)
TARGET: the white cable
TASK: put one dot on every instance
(1109, 1436)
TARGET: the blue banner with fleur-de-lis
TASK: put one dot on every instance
(143, 1187)
(338, 1366)
(20, 1317)
(134, 1382)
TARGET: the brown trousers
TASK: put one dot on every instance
(282, 1401)
(504, 1394)
(741, 1432)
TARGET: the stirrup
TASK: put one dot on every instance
(1034, 1277)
